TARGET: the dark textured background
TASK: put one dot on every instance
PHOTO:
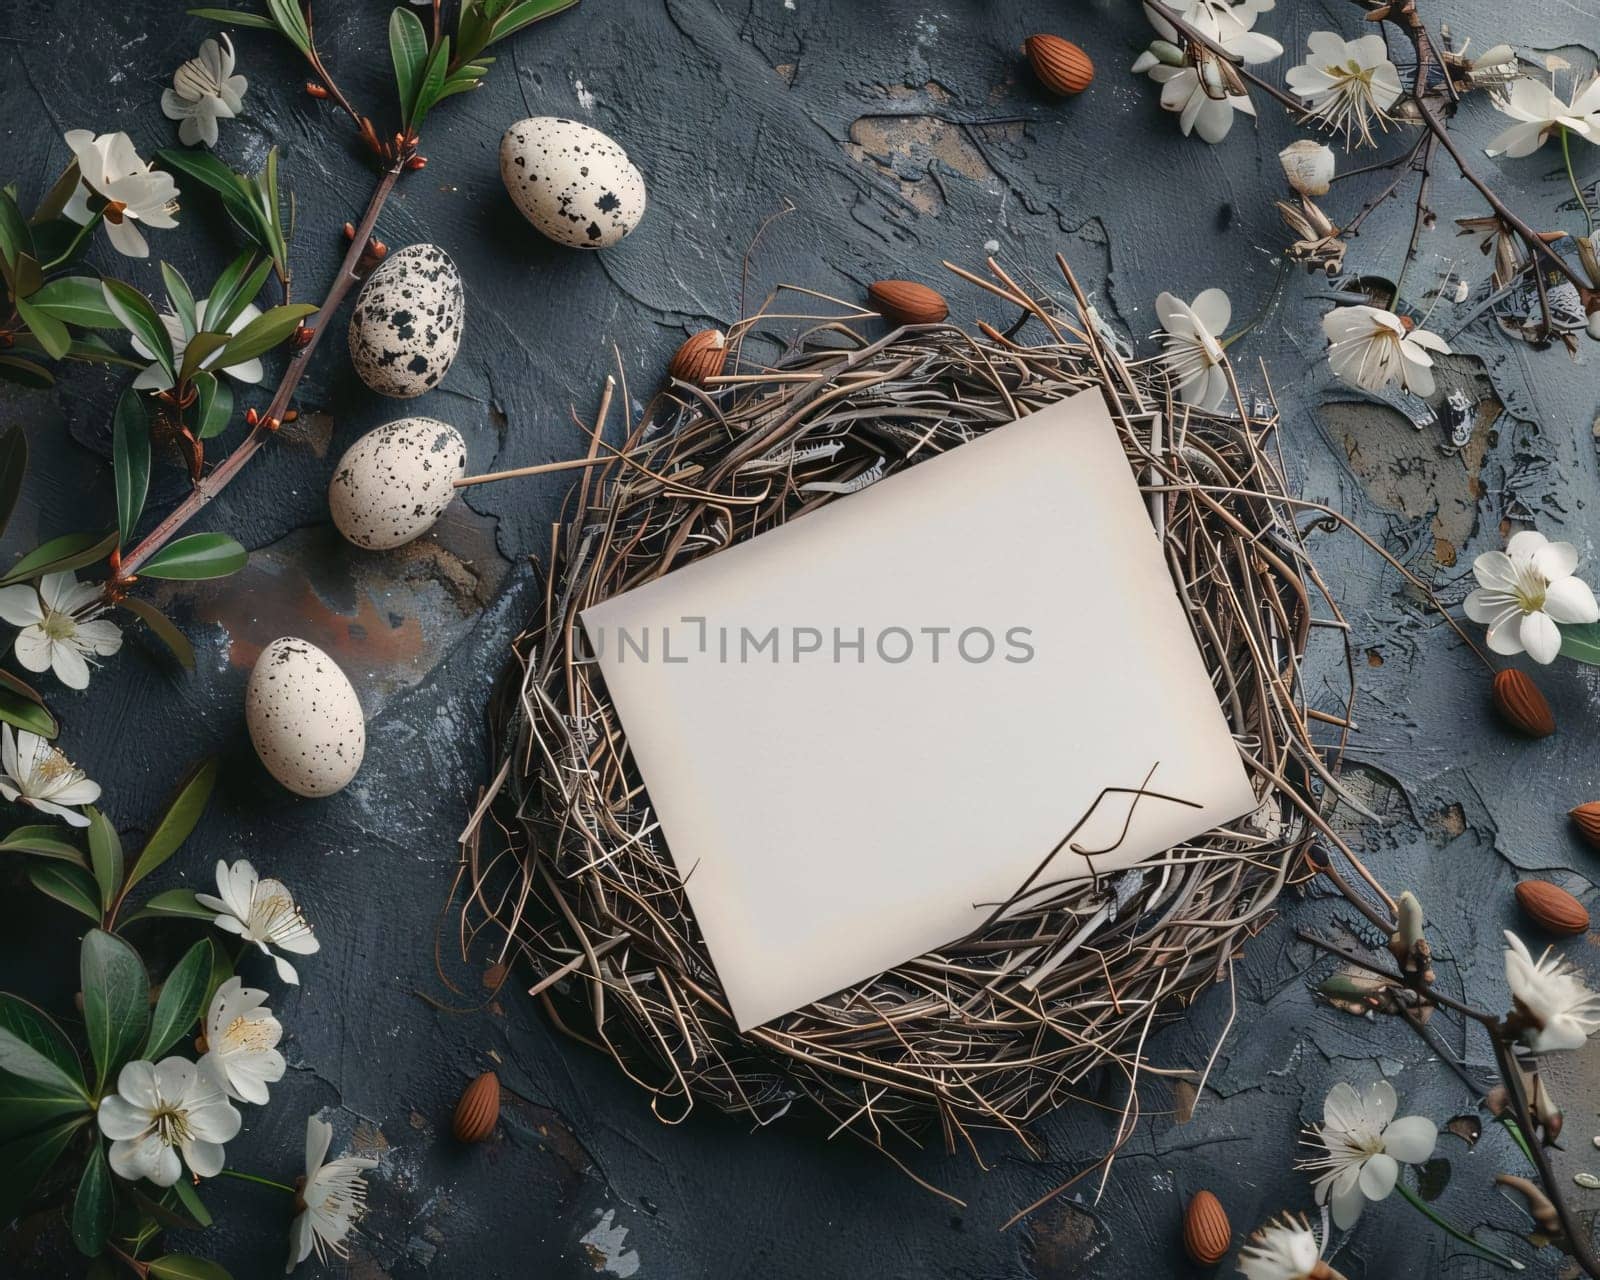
(905, 134)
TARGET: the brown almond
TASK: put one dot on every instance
(702, 357)
(906, 302)
(1521, 705)
(1586, 817)
(1552, 908)
(1061, 66)
(1206, 1232)
(478, 1109)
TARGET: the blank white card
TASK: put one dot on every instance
(865, 729)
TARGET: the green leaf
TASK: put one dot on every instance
(95, 1204)
(54, 1063)
(179, 819)
(1581, 642)
(27, 1107)
(233, 188)
(408, 49)
(26, 373)
(180, 903)
(91, 348)
(524, 14)
(291, 22)
(198, 351)
(214, 409)
(24, 713)
(130, 461)
(180, 295)
(23, 1060)
(190, 1199)
(69, 551)
(15, 237)
(164, 629)
(200, 555)
(185, 1266)
(135, 314)
(263, 333)
(228, 290)
(55, 199)
(116, 1002)
(179, 1006)
(76, 300)
(13, 466)
(42, 840)
(25, 1160)
(72, 886)
(238, 17)
(105, 856)
(432, 82)
(50, 332)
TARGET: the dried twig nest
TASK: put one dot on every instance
(980, 1034)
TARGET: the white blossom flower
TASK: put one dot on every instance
(1364, 1147)
(37, 774)
(262, 912)
(1371, 348)
(162, 1109)
(1284, 1249)
(132, 190)
(1525, 591)
(1541, 114)
(204, 90)
(155, 377)
(1308, 166)
(241, 1042)
(1199, 87)
(1558, 1010)
(1194, 354)
(331, 1202)
(1346, 83)
(62, 630)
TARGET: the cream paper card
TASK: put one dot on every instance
(864, 730)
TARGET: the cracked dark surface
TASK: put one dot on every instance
(904, 134)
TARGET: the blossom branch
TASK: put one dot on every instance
(1510, 1073)
(1195, 36)
(267, 424)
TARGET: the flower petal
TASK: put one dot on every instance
(121, 1120)
(1556, 560)
(1379, 1175)
(1541, 637)
(19, 605)
(1342, 1111)
(1571, 600)
(1505, 633)
(1347, 1208)
(1411, 1139)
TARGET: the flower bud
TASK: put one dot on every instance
(1308, 166)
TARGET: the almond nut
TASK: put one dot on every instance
(1060, 65)
(1552, 908)
(478, 1109)
(1586, 817)
(1206, 1232)
(907, 302)
(701, 357)
(1521, 705)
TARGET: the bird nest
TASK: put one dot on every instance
(562, 863)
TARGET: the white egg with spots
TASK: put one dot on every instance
(572, 182)
(304, 718)
(406, 328)
(394, 482)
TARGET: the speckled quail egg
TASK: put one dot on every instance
(407, 324)
(572, 182)
(394, 482)
(304, 718)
